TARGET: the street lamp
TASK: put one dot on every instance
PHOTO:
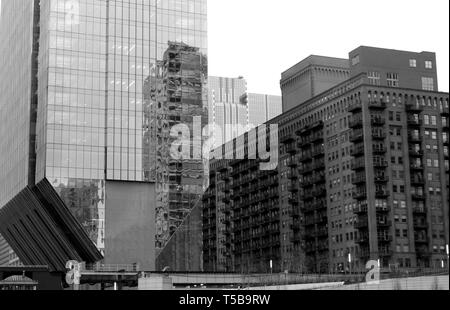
(350, 262)
(446, 250)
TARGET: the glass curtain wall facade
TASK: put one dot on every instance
(17, 103)
(93, 123)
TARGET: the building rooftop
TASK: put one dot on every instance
(318, 61)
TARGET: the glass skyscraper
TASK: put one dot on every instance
(93, 125)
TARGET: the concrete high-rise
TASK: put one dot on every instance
(77, 110)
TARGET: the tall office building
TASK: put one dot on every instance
(227, 113)
(84, 113)
(311, 77)
(262, 108)
(363, 173)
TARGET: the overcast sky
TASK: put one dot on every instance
(259, 39)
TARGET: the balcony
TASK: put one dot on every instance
(414, 138)
(383, 209)
(306, 169)
(355, 107)
(384, 239)
(377, 135)
(413, 108)
(319, 165)
(415, 153)
(357, 136)
(287, 139)
(318, 153)
(384, 223)
(360, 195)
(360, 209)
(420, 240)
(292, 176)
(292, 189)
(357, 151)
(363, 239)
(293, 201)
(419, 211)
(379, 150)
(378, 121)
(377, 105)
(291, 149)
(362, 223)
(445, 112)
(356, 123)
(319, 179)
(385, 252)
(321, 205)
(412, 122)
(420, 225)
(381, 179)
(380, 164)
(317, 138)
(358, 165)
(292, 163)
(382, 194)
(306, 157)
(320, 192)
(318, 125)
(416, 167)
(417, 181)
(360, 179)
(418, 197)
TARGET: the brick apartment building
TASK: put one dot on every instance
(363, 174)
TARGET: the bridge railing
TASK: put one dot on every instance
(111, 268)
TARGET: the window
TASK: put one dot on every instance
(428, 64)
(413, 63)
(392, 80)
(355, 60)
(428, 83)
(374, 78)
(433, 120)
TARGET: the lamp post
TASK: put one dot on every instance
(350, 262)
(446, 251)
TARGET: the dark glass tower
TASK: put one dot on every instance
(92, 125)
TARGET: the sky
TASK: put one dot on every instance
(259, 39)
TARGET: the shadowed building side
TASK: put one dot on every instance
(184, 250)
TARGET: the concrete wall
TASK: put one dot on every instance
(422, 284)
(130, 224)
